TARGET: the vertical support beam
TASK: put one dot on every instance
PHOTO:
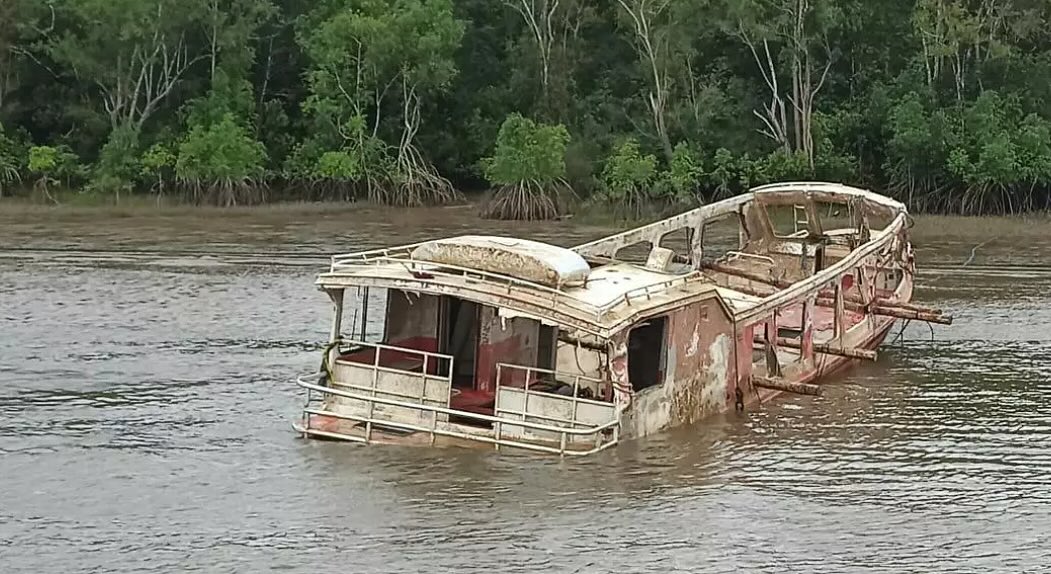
(618, 370)
(337, 323)
(742, 374)
(773, 362)
(840, 320)
(806, 352)
(365, 314)
(696, 245)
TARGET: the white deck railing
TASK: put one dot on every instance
(373, 395)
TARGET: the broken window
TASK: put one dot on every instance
(646, 354)
(634, 253)
(678, 241)
(719, 236)
(787, 220)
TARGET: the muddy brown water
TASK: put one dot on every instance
(146, 368)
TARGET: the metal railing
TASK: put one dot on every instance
(510, 284)
(429, 357)
(731, 255)
(309, 382)
(373, 389)
(574, 398)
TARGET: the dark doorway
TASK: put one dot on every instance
(459, 338)
(646, 354)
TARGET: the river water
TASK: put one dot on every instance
(146, 368)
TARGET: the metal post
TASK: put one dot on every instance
(372, 403)
(839, 326)
(364, 313)
(337, 324)
(497, 426)
(576, 401)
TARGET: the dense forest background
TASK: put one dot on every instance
(945, 104)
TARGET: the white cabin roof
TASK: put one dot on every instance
(553, 283)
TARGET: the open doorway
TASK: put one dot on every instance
(459, 338)
(646, 354)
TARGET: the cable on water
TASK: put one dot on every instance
(901, 332)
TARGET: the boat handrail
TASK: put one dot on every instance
(309, 382)
(500, 367)
(879, 240)
(446, 410)
(384, 346)
(646, 290)
(557, 296)
(374, 254)
(436, 268)
(732, 254)
(517, 289)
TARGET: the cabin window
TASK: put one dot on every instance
(719, 236)
(787, 220)
(367, 314)
(646, 353)
(679, 242)
(634, 253)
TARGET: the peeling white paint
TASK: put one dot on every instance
(695, 341)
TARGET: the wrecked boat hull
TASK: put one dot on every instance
(651, 334)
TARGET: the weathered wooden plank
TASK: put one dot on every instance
(787, 386)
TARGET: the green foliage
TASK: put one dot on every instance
(681, 182)
(227, 95)
(781, 165)
(627, 177)
(367, 54)
(158, 166)
(157, 159)
(529, 168)
(223, 151)
(941, 103)
(43, 160)
(11, 161)
(56, 162)
(526, 150)
(361, 47)
(118, 164)
(363, 162)
(339, 165)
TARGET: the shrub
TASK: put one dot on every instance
(528, 168)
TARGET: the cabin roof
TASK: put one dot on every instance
(615, 293)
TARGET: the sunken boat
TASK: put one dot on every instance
(511, 343)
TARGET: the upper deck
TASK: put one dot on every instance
(617, 293)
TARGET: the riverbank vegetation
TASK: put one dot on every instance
(546, 105)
